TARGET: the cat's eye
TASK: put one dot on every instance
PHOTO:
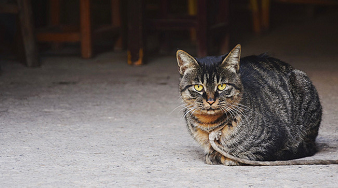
(221, 87)
(198, 87)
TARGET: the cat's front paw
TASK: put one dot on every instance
(213, 158)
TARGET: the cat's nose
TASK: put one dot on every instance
(211, 101)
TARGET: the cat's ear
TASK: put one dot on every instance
(185, 61)
(231, 61)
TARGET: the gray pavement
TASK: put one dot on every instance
(102, 123)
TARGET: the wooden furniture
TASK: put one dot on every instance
(205, 21)
(261, 11)
(260, 15)
(24, 11)
(84, 33)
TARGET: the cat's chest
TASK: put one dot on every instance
(202, 125)
(208, 123)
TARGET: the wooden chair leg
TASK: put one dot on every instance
(85, 22)
(27, 32)
(135, 32)
(255, 16)
(192, 10)
(202, 36)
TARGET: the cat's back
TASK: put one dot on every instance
(267, 88)
(262, 70)
(283, 100)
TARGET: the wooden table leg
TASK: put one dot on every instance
(86, 32)
(27, 32)
(135, 32)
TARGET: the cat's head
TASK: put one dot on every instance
(212, 84)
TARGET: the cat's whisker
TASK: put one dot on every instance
(240, 111)
(243, 107)
(235, 111)
(189, 110)
(222, 108)
(192, 111)
(179, 106)
(225, 111)
(227, 114)
(229, 111)
(242, 116)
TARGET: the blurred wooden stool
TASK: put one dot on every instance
(24, 11)
(84, 33)
(211, 16)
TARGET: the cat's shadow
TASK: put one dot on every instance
(324, 147)
(327, 144)
(196, 153)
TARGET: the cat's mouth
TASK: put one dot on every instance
(211, 110)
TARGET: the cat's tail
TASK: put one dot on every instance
(214, 136)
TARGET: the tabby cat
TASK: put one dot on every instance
(256, 110)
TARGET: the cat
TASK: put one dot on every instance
(256, 110)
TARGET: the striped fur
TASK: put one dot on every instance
(268, 111)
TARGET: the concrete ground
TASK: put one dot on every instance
(102, 123)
